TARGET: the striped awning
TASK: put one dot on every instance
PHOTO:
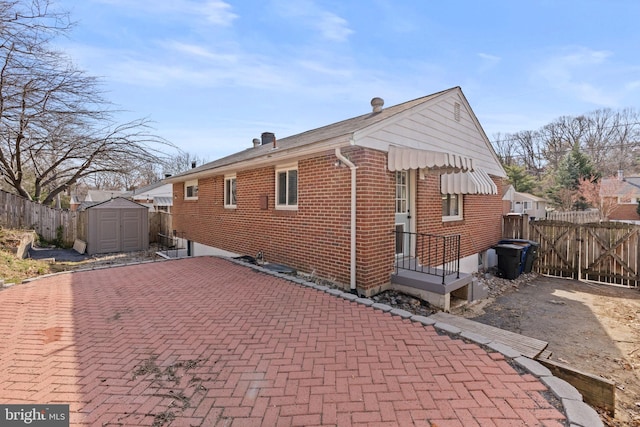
(402, 158)
(473, 182)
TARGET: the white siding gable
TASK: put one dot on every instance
(433, 126)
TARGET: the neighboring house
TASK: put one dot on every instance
(75, 202)
(525, 203)
(94, 197)
(345, 202)
(157, 196)
(623, 192)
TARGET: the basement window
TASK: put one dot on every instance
(191, 190)
(230, 191)
(287, 187)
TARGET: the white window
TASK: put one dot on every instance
(451, 207)
(401, 192)
(287, 187)
(230, 191)
(191, 190)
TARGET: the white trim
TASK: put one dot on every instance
(395, 243)
(224, 201)
(191, 183)
(280, 156)
(460, 215)
(280, 169)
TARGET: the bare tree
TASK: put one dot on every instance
(55, 126)
(612, 140)
(182, 162)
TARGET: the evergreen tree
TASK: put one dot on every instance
(522, 181)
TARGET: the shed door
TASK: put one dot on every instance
(108, 231)
(131, 220)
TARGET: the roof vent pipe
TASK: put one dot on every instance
(193, 164)
(269, 138)
(377, 104)
(256, 142)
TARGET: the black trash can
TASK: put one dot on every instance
(529, 252)
(509, 259)
(532, 254)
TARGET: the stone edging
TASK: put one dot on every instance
(577, 412)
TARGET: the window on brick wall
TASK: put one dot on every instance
(451, 207)
(287, 187)
(230, 191)
(191, 190)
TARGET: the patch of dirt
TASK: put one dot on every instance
(405, 302)
(591, 327)
(68, 259)
(177, 400)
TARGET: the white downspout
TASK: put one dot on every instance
(353, 168)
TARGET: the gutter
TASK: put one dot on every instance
(260, 158)
(343, 159)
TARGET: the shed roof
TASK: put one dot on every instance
(117, 203)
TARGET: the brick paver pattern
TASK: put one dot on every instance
(206, 342)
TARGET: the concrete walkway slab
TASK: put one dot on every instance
(207, 342)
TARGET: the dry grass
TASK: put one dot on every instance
(13, 269)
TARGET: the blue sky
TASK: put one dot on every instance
(213, 74)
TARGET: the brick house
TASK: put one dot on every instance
(351, 201)
(623, 193)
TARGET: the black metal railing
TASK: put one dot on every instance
(171, 244)
(428, 253)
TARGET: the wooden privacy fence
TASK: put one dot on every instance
(605, 252)
(18, 212)
(159, 223)
(578, 217)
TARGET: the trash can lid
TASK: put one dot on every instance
(508, 246)
(519, 242)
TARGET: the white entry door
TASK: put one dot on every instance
(403, 213)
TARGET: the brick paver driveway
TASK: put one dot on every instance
(204, 341)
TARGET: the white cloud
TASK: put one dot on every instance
(333, 27)
(322, 68)
(583, 74)
(330, 25)
(488, 61)
(200, 52)
(217, 12)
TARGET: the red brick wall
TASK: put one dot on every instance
(481, 226)
(316, 237)
(375, 220)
